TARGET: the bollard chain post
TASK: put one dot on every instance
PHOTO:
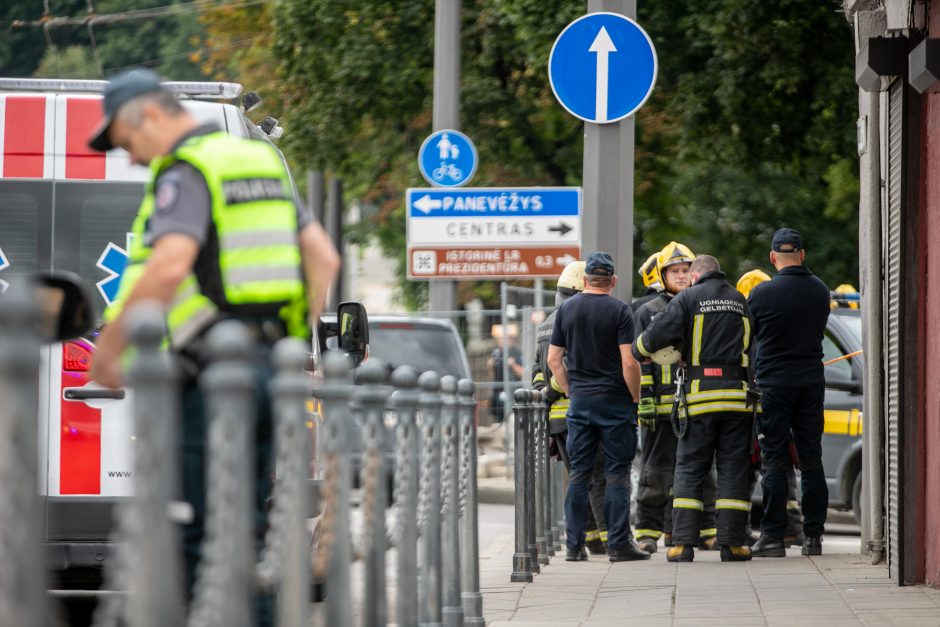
(371, 395)
(469, 538)
(225, 581)
(284, 561)
(333, 554)
(22, 575)
(452, 612)
(405, 401)
(521, 569)
(430, 584)
(531, 500)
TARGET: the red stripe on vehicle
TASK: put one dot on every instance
(24, 132)
(80, 442)
(82, 115)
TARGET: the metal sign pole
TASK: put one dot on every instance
(442, 295)
(608, 180)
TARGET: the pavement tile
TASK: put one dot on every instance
(754, 620)
(904, 619)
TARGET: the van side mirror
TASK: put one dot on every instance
(352, 329)
(66, 305)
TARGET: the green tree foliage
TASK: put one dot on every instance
(71, 62)
(750, 126)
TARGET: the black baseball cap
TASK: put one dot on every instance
(599, 264)
(122, 88)
(786, 241)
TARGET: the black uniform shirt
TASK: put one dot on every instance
(591, 328)
(790, 314)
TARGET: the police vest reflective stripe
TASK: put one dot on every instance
(249, 188)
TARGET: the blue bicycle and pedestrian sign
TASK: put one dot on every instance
(447, 158)
(602, 67)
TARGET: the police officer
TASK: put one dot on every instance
(790, 315)
(570, 282)
(711, 322)
(218, 235)
(658, 440)
(794, 534)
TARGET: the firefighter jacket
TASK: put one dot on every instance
(542, 378)
(711, 323)
(252, 264)
(657, 382)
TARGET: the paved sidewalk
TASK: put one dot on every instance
(832, 590)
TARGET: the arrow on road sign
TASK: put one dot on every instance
(565, 260)
(427, 204)
(4, 264)
(561, 229)
(603, 45)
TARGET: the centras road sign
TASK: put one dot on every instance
(489, 262)
(492, 232)
(447, 158)
(602, 67)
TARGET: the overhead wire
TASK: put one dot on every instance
(48, 21)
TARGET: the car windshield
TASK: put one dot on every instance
(419, 346)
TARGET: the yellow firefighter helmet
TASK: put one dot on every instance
(674, 253)
(650, 271)
(750, 279)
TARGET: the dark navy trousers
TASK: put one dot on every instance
(608, 422)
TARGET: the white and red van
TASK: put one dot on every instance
(64, 207)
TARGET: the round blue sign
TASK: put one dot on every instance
(602, 67)
(447, 158)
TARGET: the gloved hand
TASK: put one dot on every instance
(646, 412)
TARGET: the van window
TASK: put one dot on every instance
(25, 210)
(840, 370)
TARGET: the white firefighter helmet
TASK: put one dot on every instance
(666, 356)
(572, 277)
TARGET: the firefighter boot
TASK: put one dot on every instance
(594, 541)
(709, 543)
(735, 553)
(667, 539)
(680, 553)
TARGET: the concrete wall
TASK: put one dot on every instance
(931, 373)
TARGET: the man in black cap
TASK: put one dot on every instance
(790, 314)
(218, 236)
(590, 359)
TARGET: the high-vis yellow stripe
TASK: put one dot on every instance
(647, 533)
(705, 408)
(697, 338)
(646, 379)
(592, 535)
(743, 506)
(678, 503)
(641, 348)
(538, 378)
(747, 341)
(667, 375)
(711, 532)
(724, 394)
(556, 387)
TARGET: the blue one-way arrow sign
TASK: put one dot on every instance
(602, 67)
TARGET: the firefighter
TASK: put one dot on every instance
(570, 282)
(652, 282)
(794, 534)
(712, 411)
(218, 235)
(658, 449)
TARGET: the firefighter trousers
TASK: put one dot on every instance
(655, 490)
(723, 438)
(596, 527)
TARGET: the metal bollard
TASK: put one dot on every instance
(531, 500)
(22, 575)
(429, 501)
(152, 547)
(225, 582)
(452, 610)
(547, 485)
(521, 568)
(371, 395)
(469, 538)
(333, 554)
(284, 560)
(405, 401)
(538, 424)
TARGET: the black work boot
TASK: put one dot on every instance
(576, 555)
(680, 553)
(768, 547)
(812, 545)
(793, 539)
(731, 553)
(596, 547)
(627, 553)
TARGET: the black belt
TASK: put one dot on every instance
(727, 372)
